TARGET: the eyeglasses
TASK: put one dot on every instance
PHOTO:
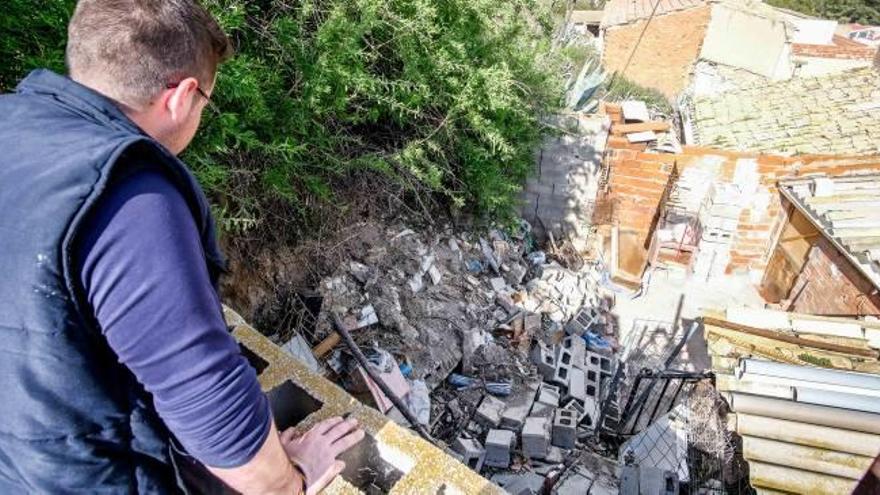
(210, 104)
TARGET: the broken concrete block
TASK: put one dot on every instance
(578, 349)
(513, 417)
(435, 274)
(498, 284)
(565, 428)
(517, 407)
(544, 360)
(576, 407)
(592, 379)
(575, 481)
(499, 443)
(577, 388)
(555, 455)
(489, 412)
(525, 484)
(472, 453)
(599, 361)
(548, 394)
(563, 369)
(581, 322)
(416, 283)
(541, 410)
(536, 437)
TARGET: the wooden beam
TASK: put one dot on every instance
(770, 334)
(656, 126)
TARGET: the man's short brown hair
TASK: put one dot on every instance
(135, 48)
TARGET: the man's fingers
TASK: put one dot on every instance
(324, 426)
(348, 441)
(338, 467)
(341, 429)
(326, 478)
(287, 435)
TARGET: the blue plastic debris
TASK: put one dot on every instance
(502, 389)
(405, 369)
(474, 266)
(595, 342)
(461, 382)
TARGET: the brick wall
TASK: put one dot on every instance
(830, 285)
(637, 179)
(667, 52)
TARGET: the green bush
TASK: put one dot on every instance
(441, 98)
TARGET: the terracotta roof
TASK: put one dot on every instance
(841, 47)
(618, 12)
(834, 114)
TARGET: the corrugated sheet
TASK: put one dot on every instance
(847, 211)
(793, 441)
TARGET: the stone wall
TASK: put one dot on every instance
(666, 53)
(560, 194)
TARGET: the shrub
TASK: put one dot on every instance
(441, 98)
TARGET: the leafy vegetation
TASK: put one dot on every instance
(859, 11)
(441, 99)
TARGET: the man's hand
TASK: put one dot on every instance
(315, 452)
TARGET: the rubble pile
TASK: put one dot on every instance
(501, 352)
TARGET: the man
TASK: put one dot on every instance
(117, 373)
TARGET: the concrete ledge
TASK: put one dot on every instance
(414, 465)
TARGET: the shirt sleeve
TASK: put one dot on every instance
(144, 272)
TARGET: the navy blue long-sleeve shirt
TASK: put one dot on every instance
(143, 269)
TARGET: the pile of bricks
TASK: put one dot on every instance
(544, 421)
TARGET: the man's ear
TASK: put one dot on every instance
(180, 101)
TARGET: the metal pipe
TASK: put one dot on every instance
(810, 374)
(807, 458)
(796, 481)
(823, 437)
(729, 383)
(840, 400)
(362, 360)
(805, 413)
(803, 383)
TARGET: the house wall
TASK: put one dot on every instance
(666, 54)
(742, 39)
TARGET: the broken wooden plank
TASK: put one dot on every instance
(800, 341)
(654, 126)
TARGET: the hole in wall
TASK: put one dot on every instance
(370, 469)
(291, 404)
(258, 363)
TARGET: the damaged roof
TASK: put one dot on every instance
(619, 12)
(845, 209)
(834, 114)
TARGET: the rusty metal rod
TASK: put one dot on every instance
(365, 364)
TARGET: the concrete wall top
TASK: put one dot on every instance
(408, 464)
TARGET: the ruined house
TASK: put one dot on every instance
(706, 40)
